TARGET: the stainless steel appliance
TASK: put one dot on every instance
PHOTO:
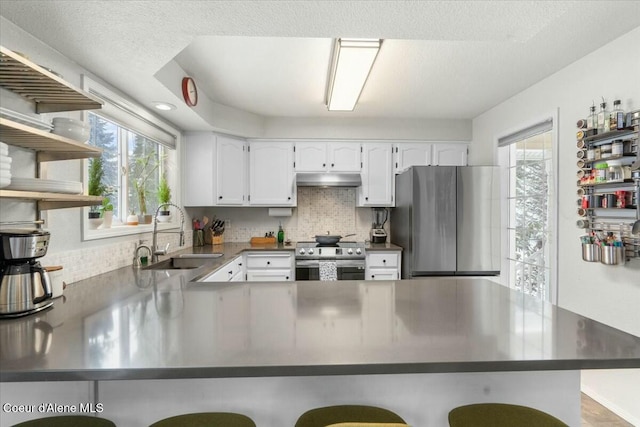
(447, 220)
(24, 284)
(378, 234)
(348, 256)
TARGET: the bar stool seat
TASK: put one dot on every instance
(325, 416)
(206, 419)
(67, 421)
(501, 415)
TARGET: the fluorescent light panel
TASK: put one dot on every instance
(352, 62)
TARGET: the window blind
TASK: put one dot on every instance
(131, 117)
(536, 129)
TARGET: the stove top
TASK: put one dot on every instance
(341, 250)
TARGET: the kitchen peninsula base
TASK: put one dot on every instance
(421, 399)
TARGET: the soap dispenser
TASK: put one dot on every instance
(280, 233)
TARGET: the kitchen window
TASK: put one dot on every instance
(527, 158)
(138, 149)
(133, 165)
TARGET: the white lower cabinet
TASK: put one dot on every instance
(230, 272)
(269, 266)
(382, 265)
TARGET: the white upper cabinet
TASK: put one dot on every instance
(271, 181)
(409, 154)
(231, 171)
(199, 180)
(343, 157)
(450, 154)
(327, 157)
(377, 175)
(311, 156)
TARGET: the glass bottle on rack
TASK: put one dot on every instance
(592, 119)
(616, 120)
(603, 118)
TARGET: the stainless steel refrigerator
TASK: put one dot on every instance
(447, 220)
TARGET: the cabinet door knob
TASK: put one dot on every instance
(324, 164)
(289, 198)
(373, 275)
(231, 272)
(384, 260)
(268, 262)
(332, 164)
(287, 277)
(220, 197)
(366, 198)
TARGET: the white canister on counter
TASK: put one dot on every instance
(55, 276)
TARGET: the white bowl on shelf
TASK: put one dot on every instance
(71, 128)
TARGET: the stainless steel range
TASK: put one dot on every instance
(348, 256)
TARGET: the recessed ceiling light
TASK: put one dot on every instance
(164, 106)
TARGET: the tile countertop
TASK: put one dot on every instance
(158, 324)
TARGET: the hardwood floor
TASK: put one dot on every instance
(596, 415)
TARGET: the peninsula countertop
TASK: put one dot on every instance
(152, 324)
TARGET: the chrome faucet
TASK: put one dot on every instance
(137, 260)
(156, 251)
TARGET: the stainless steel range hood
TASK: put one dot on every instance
(313, 179)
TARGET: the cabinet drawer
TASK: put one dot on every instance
(383, 259)
(275, 275)
(269, 261)
(382, 274)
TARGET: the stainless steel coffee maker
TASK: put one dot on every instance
(25, 287)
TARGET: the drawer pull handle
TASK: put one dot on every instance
(268, 262)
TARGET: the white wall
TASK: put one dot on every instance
(609, 294)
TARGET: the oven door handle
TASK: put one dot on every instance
(315, 263)
(307, 263)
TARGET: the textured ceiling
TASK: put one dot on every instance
(440, 59)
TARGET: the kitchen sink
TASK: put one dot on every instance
(182, 262)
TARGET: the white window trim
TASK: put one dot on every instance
(128, 230)
(504, 237)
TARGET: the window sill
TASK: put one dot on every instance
(124, 230)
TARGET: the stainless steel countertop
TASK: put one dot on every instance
(146, 324)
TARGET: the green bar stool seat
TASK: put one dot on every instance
(206, 419)
(322, 417)
(68, 421)
(501, 415)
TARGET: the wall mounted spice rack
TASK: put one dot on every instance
(609, 208)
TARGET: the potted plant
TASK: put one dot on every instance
(164, 197)
(95, 188)
(142, 169)
(107, 212)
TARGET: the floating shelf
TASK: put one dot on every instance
(47, 90)
(611, 135)
(624, 156)
(53, 200)
(48, 145)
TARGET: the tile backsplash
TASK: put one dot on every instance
(318, 210)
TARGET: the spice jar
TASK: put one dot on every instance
(601, 172)
(617, 148)
(605, 151)
(615, 172)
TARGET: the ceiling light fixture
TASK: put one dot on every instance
(164, 106)
(351, 64)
